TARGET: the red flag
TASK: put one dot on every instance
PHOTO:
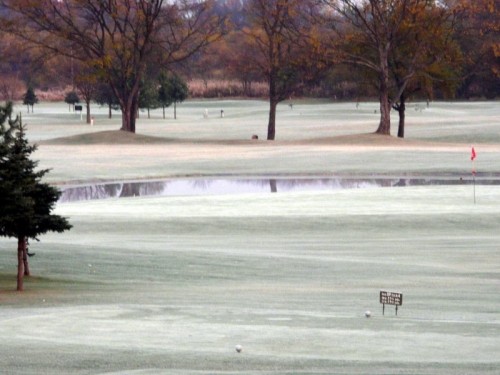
(473, 154)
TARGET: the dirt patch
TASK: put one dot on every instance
(107, 137)
(99, 148)
(124, 137)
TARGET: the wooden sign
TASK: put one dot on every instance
(390, 298)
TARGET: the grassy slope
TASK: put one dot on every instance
(311, 139)
(165, 285)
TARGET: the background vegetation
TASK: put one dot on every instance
(224, 69)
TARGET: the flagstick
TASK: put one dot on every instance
(474, 180)
(472, 158)
(474, 183)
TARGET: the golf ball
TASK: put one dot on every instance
(368, 313)
(239, 348)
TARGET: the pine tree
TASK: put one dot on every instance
(163, 92)
(104, 95)
(7, 128)
(71, 98)
(30, 98)
(173, 89)
(148, 96)
(26, 202)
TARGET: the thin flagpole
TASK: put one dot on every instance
(474, 183)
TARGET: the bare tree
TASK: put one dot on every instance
(86, 82)
(118, 38)
(425, 56)
(285, 48)
(369, 31)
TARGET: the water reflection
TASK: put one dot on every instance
(186, 187)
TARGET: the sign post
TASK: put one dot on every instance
(80, 109)
(390, 298)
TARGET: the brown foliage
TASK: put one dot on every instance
(216, 88)
(11, 88)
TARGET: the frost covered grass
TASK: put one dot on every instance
(170, 285)
(469, 122)
(164, 285)
(312, 138)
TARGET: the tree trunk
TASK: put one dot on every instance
(385, 105)
(110, 114)
(126, 120)
(129, 114)
(25, 260)
(129, 107)
(164, 112)
(175, 110)
(271, 126)
(88, 111)
(273, 103)
(384, 126)
(21, 250)
(401, 111)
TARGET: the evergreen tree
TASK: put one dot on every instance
(6, 138)
(104, 95)
(178, 91)
(148, 98)
(30, 98)
(164, 98)
(26, 201)
(72, 98)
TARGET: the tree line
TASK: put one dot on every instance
(394, 50)
(154, 92)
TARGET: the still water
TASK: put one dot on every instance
(189, 187)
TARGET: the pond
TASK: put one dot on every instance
(190, 187)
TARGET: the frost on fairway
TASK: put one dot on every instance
(173, 274)
(154, 329)
(307, 143)
(176, 283)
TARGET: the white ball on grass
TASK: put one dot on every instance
(368, 313)
(239, 348)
